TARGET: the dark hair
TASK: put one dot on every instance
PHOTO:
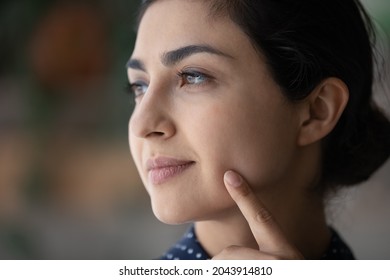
(306, 41)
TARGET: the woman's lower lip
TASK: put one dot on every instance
(158, 176)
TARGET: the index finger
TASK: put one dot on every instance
(268, 234)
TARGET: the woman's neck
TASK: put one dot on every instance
(301, 218)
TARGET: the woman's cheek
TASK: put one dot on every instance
(136, 153)
(257, 161)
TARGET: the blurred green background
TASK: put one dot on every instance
(68, 186)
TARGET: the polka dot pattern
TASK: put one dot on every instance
(338, 249)
(189, 248)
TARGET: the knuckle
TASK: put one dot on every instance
(288, 255)
(230, 250)
(244, 191)
(263, 215)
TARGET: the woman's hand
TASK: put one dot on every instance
(269, 236)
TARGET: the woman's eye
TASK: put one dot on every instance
(193, 78)
(138, 89)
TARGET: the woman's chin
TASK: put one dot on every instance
(172, 216)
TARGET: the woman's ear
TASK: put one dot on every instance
(321, 110)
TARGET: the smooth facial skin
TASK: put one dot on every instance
(232, 117)
(206, 104)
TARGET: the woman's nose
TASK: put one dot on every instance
(152, 117)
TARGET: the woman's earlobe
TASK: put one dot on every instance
(322, 110)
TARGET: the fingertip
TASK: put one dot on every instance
(232, 179)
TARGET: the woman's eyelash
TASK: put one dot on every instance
(187, 78)
(136, 89)
(193, 78)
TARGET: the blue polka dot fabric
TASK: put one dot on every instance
(189, 248)
(338, 249)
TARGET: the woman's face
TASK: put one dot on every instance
(205, 103)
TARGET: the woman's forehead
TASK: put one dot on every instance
(172, 24)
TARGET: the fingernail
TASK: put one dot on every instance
(233, 179)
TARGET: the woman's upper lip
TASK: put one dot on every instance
(161, 162)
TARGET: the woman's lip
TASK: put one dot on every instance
(163, 162)
(162, 169)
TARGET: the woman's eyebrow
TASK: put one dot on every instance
(135, 64)
(173, 57)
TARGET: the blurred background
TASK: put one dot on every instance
(68, 186)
